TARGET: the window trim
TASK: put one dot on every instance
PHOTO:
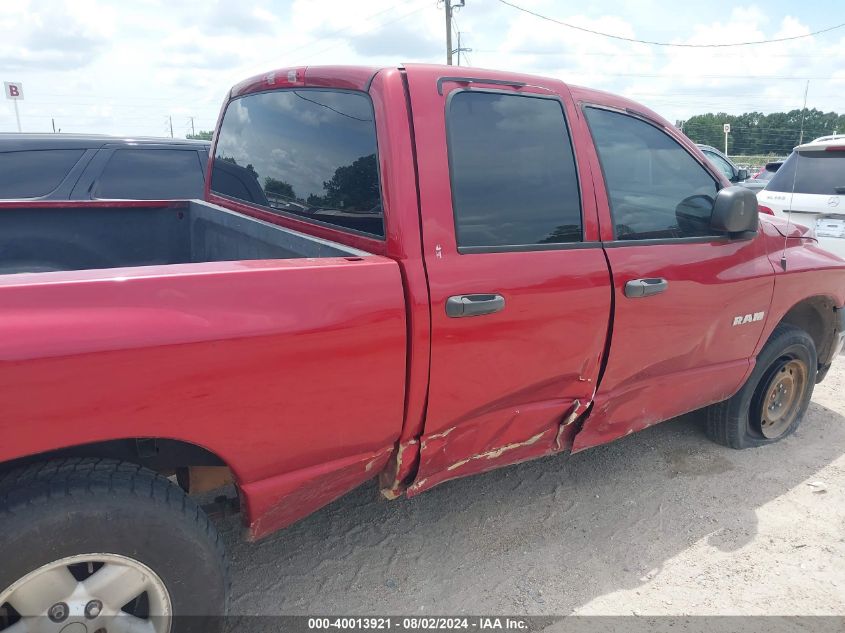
(527, 248)
(665, 241)
(616, 242)
(293, 216)
(511, 248)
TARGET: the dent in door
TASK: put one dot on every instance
(528, 432)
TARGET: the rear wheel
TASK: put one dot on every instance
(772, 402)
(91, 545)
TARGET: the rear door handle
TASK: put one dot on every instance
(474, 305)
(646, 287)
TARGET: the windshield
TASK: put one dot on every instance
(817, 172)
(308, 152)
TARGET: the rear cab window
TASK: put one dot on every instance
(151, 174)
(818, 172)
(514, 180)
(306, 152)
(35, 173)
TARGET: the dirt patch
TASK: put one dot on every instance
(662, 522)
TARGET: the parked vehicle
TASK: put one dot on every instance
(94, 166)
(810, 189)
(399, 273)
(759, 180)
(724, 164)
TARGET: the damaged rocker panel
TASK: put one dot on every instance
(549, 434)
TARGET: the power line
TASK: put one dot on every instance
(726, 54)
(711, 95)
(653, 43)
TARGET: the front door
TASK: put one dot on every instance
(520, 291)
(690, 304)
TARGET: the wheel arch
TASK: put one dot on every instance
(196, 467)
(817, 316)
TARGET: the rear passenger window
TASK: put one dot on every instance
(35, 173)
(151, 174)
(514, 181)
(657, 190)
(310, 153)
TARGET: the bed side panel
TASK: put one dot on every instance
(276, 366)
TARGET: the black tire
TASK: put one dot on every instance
(55, 509)
(736, 422)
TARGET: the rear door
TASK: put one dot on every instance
(520, 291)
(690, 304)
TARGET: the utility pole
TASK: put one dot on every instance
(54, 125)
(803, 111)
(193, 133)
(447, 4)
(459, 49)
(170, 118)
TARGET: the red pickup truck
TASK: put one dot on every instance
(413, 273)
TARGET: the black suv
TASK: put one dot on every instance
(91, 166)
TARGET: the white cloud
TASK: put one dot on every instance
(124, 68)
(38, 34)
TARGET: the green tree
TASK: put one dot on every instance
(279, 187)
(202, 135)
(755, 133)
(352, 186)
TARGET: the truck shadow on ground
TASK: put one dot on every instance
(543, 537)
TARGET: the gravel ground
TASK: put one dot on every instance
(661, 522)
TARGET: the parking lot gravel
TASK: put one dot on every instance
(661, 522)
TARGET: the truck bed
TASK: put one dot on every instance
(38, 237)
(188, 340)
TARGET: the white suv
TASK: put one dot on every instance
(811, 182)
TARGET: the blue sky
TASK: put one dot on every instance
(128, 67)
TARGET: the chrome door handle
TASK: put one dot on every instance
(646, 287)
(474, 305)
